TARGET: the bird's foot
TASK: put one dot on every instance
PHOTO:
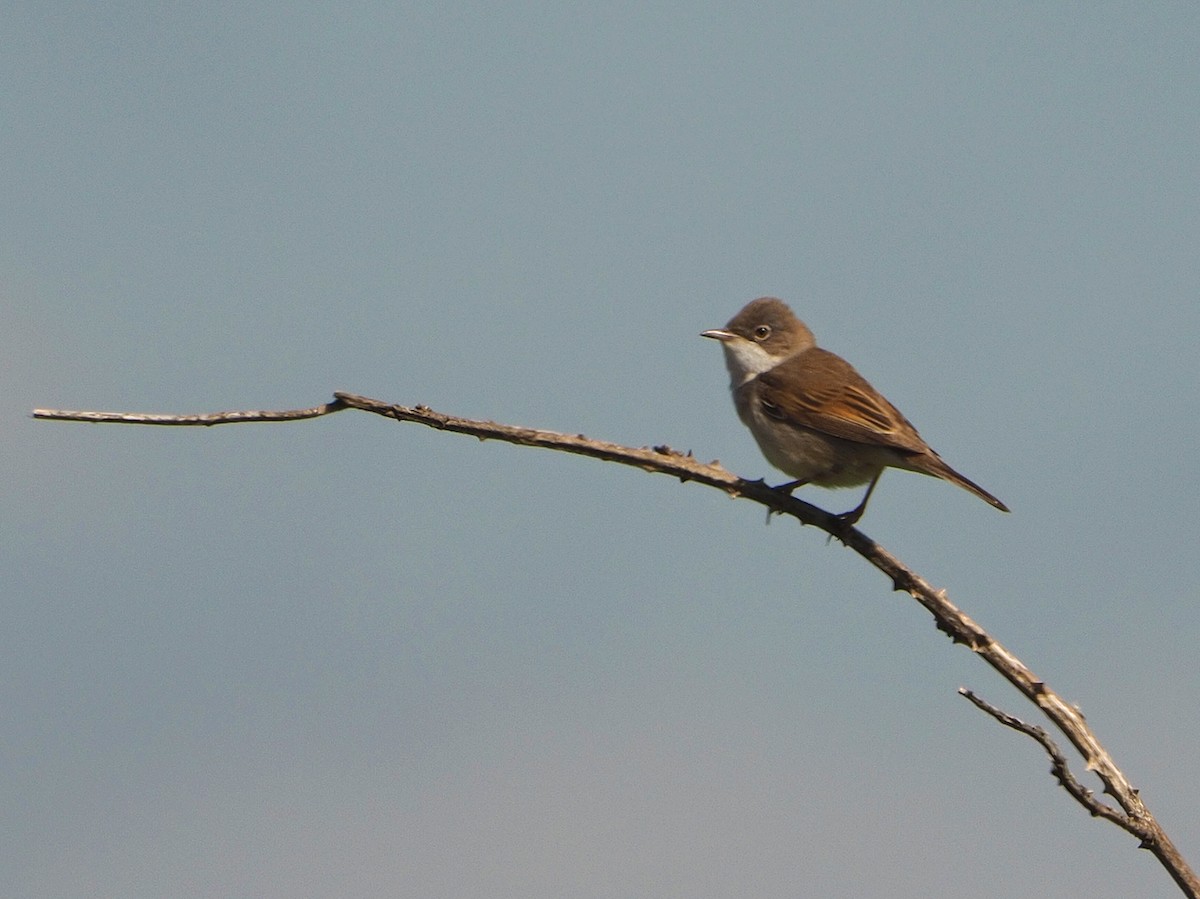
(849, 519)
(788, 488)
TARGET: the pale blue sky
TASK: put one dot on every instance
(351, 658)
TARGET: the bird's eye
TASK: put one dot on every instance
(762, 332)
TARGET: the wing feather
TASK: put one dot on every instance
(821, 391)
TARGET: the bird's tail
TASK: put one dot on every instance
(934, 465)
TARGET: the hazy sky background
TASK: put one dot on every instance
(353, 658)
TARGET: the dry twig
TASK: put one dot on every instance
(1132, 815)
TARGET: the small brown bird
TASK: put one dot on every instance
(814, 417)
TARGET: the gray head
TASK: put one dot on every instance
(761, 336)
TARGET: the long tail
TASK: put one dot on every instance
(933, 465)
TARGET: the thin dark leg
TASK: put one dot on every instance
(791, 485)
(856, 513)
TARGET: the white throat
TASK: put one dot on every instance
(746, 360)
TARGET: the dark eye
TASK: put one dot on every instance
(762, 332)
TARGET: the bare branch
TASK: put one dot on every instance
(207, 419)
(1133, 815)
(1144, 827)
(1059, 767)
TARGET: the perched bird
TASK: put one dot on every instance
(814, 417)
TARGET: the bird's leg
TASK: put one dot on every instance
(792, 485)
(852, 517)
(786, 490)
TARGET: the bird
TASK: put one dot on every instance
(813, 416)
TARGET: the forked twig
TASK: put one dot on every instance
(1132, 814)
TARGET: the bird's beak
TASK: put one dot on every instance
(718, 334)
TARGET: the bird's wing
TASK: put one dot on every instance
(821, 391)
